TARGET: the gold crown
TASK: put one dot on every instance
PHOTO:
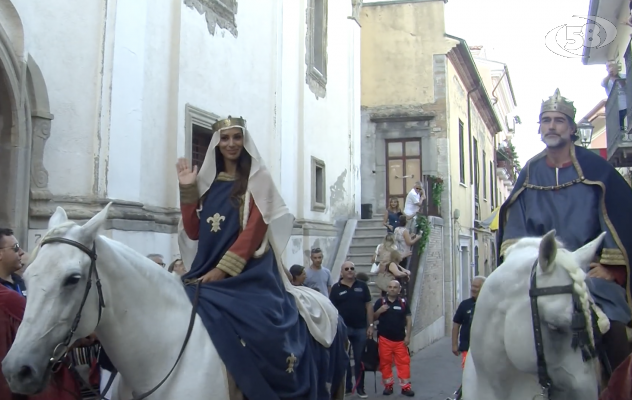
(228, 122)
(560, 104)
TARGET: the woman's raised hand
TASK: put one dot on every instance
(186, 175)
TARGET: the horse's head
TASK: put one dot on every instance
(57, 278)
(555, 278)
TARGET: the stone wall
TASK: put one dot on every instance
(428, 305)
(430, 300)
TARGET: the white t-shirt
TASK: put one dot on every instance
(410, 208)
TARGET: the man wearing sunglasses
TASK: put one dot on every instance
(352, 298)
(11, 262)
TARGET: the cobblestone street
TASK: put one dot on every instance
(436, 374)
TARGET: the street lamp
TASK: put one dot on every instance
(585, 131)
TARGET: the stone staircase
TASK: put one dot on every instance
(368, 234)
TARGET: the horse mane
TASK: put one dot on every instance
(578, 277)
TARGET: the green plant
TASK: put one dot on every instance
(423, 226)
(437, 189)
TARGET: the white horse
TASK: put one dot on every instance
(143, 324)
(502, 362)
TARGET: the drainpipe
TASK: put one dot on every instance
(498, 84)
(469, 135)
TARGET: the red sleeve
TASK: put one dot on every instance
(188, 207)
(190, 220)
(620, 275)
(248, 241)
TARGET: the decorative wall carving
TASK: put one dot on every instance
(218, 13)
(39, 174)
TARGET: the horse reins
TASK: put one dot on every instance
(65, 344)
(581, 338)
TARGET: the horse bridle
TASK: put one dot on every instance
(581, 338)
(56, 360)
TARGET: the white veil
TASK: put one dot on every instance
(319, 314)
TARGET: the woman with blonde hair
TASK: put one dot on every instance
(390, 270)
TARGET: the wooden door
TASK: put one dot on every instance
(403, 164)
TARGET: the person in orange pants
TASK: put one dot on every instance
(395, 323)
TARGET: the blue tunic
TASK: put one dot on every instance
(573, 211)
(393, 220)
(253, 321)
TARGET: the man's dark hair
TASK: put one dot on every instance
(296, 270)
(5, 232)
(316, 250)
(361, 276)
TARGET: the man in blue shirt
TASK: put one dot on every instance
(11, 262)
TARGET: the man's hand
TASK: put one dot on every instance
(215, 274)
(599, 271)
(383, 309)
(369, 332)
(455, 350)
(407, 340)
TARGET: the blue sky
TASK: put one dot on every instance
(514, 31)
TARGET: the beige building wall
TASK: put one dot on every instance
(404, 36)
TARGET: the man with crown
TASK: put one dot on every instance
(577, 193)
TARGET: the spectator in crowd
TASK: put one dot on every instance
(157, 258)
(11, 262)
(412, 205)
(352, 298)
(462, 321)
(616, 80)
(403, 241)
(394, 328)
(298, 274)
(177, 266)
(317, 277)
(392, 214)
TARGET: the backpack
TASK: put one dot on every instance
(371, 356)
(401, 300)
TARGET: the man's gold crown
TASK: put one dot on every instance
(228, 122)
(560, 104)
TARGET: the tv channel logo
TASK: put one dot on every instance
(570, 40)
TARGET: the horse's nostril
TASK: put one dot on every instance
(26, 372)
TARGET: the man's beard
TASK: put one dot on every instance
(552, 144)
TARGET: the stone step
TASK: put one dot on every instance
(370, 231)
(367, 240)
(359, 258)
(362, 248)
(370, 223)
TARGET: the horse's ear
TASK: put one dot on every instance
(585, 255)
(58, 218)
(548, 251)
(90, 229)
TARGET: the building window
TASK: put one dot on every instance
(461, 153)
(317, 46)
(469, 142)
(197, 133)
(319, 202)
(491, 185)
(484, 164)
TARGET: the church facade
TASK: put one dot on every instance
(98, 100)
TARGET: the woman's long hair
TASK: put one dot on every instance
(398, 209)
(389, 241)
(244, 162)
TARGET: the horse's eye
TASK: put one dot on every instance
(72, 280)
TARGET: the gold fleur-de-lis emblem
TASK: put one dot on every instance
(214, 221)
(291, 360)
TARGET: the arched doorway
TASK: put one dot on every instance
(24, 108)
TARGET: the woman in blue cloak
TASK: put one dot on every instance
(277, 341)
